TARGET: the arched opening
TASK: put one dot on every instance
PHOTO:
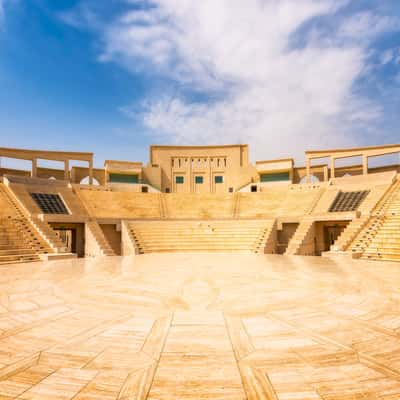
(313, 179)
(85, 181)
(52, 178)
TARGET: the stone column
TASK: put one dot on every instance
(332, 167)
(365, 165)
(34, 168)
(325, 173)
(66, 170)
(91, 172)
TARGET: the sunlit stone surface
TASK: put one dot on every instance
(188, 326)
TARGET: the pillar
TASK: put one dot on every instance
(325, 173)
(66, 170)
(191, 178)
(91, 172)
(332, 167)
(210, 177)
(34, 168)
(365, 165)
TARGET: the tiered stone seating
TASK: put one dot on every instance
(199, 206)
(385, 243)
(300, 200)
(261, 205)
(245, 236)
(288, 201)
(19, 242)
(125, 205)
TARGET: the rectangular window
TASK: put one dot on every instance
(198, 180)
(179, 179)
(275, 177)
(124, 178)
(219, 179)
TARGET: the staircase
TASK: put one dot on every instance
(350, 232)
(236, 205)
(48, 233)
(227, 236)
(302, 240)
(95, 230)
(163, 206)
(19, 240)
(384, 235)
(15, 246)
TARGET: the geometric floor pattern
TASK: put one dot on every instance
(200, 326)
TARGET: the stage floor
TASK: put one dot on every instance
(200, 326)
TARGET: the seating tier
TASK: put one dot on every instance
(246, 236)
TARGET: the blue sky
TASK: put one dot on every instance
(113, 77)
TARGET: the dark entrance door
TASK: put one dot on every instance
(331, 233)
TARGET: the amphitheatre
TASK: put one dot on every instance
(200, 275)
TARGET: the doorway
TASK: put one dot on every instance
(68, 237)
(331, 233)
(72, 235)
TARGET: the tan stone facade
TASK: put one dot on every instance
(202, 169)
(199, 169)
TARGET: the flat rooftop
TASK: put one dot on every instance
(191, 326)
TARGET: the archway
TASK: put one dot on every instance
(85, 181)
(313, 179)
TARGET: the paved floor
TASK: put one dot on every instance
(207, 326)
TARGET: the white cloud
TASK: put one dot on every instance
(366, 25)
(387, 56)
(1, 11)
(277, 98)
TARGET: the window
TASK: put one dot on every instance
(124, 178)
(275, 177)
(253, 188)
(145, 189)
(230, 190)
(167, 190)
(50, 203)
(219, 179)
(198, 180)
(179, 180)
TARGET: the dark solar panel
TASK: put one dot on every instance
(348, 201)
(50, 203)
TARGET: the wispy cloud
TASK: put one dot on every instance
(259, 87)
(1, 11)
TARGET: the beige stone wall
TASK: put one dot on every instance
(153, 175)
(207, 162)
